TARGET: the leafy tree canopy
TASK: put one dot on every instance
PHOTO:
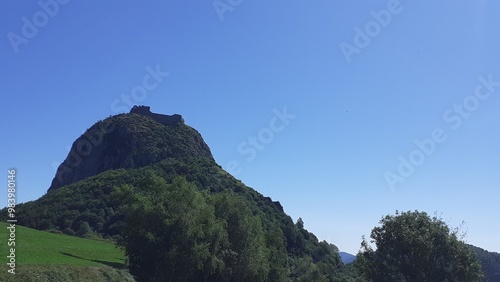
(412, 246)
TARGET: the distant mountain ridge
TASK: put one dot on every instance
(346, 257)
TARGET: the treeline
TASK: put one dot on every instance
(177, 231)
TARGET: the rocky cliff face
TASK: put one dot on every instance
(127, 141)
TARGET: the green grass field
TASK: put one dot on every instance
(44, 256)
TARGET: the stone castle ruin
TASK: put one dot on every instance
(163, 119)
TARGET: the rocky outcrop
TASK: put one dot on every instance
(128, 141)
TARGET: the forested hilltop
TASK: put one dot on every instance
(159, 187)
(157, 192)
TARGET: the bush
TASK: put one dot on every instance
(84, 229)
(69, 231)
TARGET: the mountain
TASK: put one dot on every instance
(128, 141)
(127, 164)
(150, 183)
(490, 262)
(346, 257)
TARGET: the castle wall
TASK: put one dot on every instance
(163, 119)
(166, 119)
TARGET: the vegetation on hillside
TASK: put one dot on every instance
(157, 193)
(490, 262)
(202, 237)
(96, 207)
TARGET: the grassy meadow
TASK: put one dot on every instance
(45, 256)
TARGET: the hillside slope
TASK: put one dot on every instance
(44, 256)
(135, 152)
(490, 262)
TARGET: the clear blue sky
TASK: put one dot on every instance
(362, 85)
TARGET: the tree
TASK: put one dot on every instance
(411, 246)
(171, 232)
(247, 256)
(175, 232)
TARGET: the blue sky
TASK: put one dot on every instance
(279, 98)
